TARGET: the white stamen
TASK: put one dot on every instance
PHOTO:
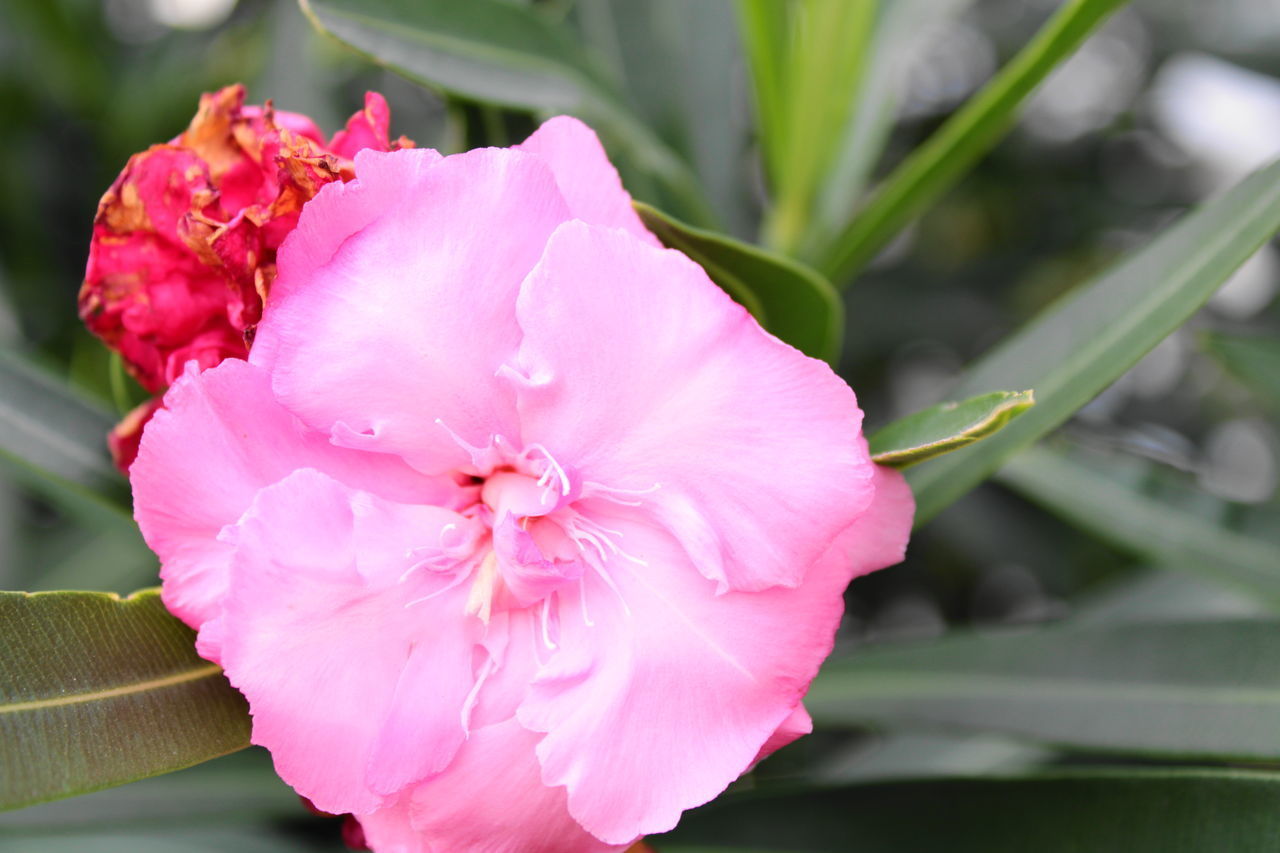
(546, 619)
(582, 600)
(473, 696)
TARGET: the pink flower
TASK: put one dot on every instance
(184, 242)
(516, 532)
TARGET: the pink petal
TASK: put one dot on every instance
(354, 689)
(369, 128)
(662, 692)
(228, 437)
(642, 375)
(881, 532)
(672, 690)
(490, 801)
(793, 727)
(587, 179)
(397, 296)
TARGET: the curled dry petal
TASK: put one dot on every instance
(184, 242)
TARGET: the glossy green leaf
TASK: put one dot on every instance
(788, 298)
(505, 54)
(946, 427)
(1084, 341)
(48, 431)
(945, 157)
(1145, 524)
(1096, 811)
(96, 690)
(1198, 688)
(1255, 361)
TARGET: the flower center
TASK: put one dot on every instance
(541, 537)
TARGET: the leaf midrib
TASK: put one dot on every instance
(112, 692)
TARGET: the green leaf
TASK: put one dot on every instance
(96, 691)
(1144, 524)
(946, 427)
(807, 60)
(1084, 341)
(1098, 811)
(1205, 689)
(945, 157)
(49, 432)
(788, 298)
(902, 31)
(505, 54)
(1252, 360)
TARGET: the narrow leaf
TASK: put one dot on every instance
(47, 430)
(1192, 689)
(946, 427)
(96, 691)
(1100, 811)
(788, 298)
(824, 59)
(904, 28)
(1144, 524)
(505, 54)
(1085, 341)
(1254, 361)
(945, 157)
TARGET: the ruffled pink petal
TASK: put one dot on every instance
(369, 128)
(587, 179)
(642, 375)
(355, 689)
(490, 801)
(397, 294)
(227, 435)
(671, 691)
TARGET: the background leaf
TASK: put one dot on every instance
(936, 165)
(1084, 341)
(903, 29)
(1119, 811)
(506, 54)
(946, 427)
(807, 60)
(1255, 361)
(48, 431)
(1159, 529)
(788, 298)
(96, 691)
(1199, 689)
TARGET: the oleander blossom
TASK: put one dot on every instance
(185, 240)
(517, 533)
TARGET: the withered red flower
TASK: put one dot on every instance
(184, 242)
